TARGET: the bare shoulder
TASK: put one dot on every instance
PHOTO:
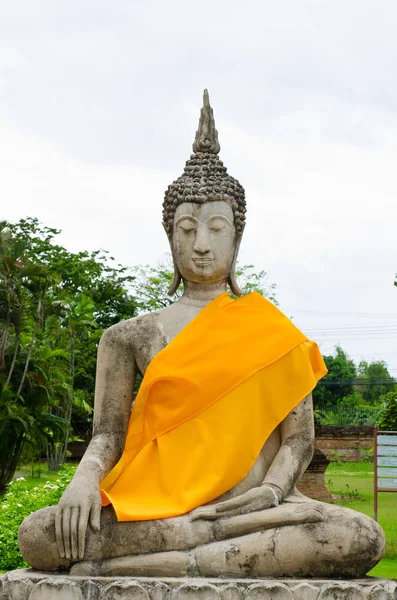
(131, 333)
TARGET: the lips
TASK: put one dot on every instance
(202, 262)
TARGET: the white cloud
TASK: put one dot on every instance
(96, 206)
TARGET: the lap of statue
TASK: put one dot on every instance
(240, 534)
(283, 541)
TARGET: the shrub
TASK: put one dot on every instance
(19, 501)
(388, 417)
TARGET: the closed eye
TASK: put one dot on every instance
(217, 223)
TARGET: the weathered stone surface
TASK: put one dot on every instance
(124, 590)
(341, 591)
(377, 592)
(3, 590)
(305, 591)
(231, 591)
(16, 586)
(196, 591)
(269, 590)
(161, 591)
(26, 584)
(56, 589)
(91, 590)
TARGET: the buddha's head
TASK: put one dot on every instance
(204, 213)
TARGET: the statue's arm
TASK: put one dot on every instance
(296, 449)
(81, 503)
(115, 380)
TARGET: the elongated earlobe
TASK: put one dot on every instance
(234, 286)
(175, 282)
(231, 280)
(177, 276)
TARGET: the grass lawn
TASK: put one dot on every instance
(356, 481)
(41, 475)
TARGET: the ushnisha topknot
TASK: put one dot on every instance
(205, 178)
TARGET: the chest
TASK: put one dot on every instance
(156, 331)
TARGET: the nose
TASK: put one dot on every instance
(201, 243)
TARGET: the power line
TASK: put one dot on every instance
(337, 337)
(380, 327)
(317, 313)
(353, 331)
(342, 338)
(352, 327)
(376, 354)
(386, 331)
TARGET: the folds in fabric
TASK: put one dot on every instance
(206, 406)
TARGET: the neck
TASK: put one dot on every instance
(201, 294)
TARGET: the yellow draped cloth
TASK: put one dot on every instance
(207, 404)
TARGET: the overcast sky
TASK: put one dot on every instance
(99, 102)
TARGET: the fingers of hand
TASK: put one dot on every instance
(214, 516)
(254, 500)
(75, 511)
(211, 513)
(231, 504)
(205, 512)
(243, 500)
(59, 533)
(233, 512)
(95, 515)
(82, 530)
(66, 513)
(246, 508)
(313, 507)
(319, 509)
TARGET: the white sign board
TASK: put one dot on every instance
(389, 483)
(387, 461)
(387, 440)
(387, 450)
(384, 472)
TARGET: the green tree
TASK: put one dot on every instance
(374, 380)
(251, 280)
(54, 305)
(388, 417)
(79, 318)
(151, 286)
(93, 274)
(339, 381)
(22, 290)
(13, 273)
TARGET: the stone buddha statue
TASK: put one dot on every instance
(199, 478)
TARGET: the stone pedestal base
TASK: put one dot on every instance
(26, 584)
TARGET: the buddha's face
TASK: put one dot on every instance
(204, 241)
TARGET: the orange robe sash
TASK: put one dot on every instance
(207, 404)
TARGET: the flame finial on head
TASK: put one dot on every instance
(206, 136)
